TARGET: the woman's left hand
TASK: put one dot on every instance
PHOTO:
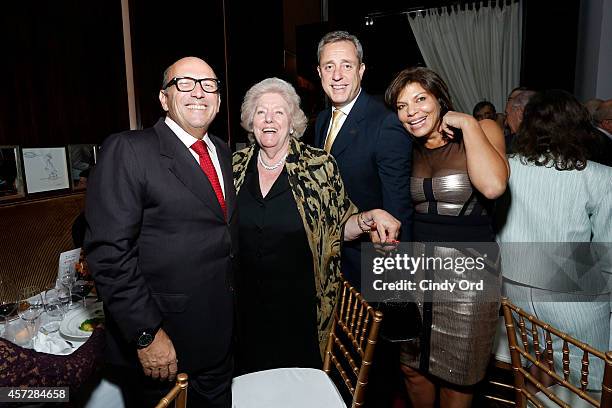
(384, 227)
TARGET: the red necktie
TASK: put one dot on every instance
(207, 166)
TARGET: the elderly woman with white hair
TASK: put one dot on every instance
(294, 213)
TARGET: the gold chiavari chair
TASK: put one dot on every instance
(352, 341)
(178, 393)
(539, 352)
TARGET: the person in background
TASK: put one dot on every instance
(458, 168)
(484, 110)
(557, 195)
(514, 113)
(602, 119)
(161, 242)
(365, 138)
(592, 104)
(294, 215)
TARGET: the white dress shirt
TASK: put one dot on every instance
(346, 109)
(189, 140)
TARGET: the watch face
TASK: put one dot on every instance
(144, 340)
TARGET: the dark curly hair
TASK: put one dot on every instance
(556, 131)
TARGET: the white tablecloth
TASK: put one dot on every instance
(105, 395)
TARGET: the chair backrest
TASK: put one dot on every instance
(352, 340)
(178, 393)
(539, 352)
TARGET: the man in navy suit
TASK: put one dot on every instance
(160, 244)
(367, 140)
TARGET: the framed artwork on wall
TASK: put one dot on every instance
(45, 169)
(82, 158)
(11, 174)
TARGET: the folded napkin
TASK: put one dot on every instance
(52, 343)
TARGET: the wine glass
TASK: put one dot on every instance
(56, 306)
(67, 281)
(30, 307)
(80, 289)
(8, 303)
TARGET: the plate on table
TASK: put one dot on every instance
(76, 320)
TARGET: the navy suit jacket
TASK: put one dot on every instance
(159, 247)
(374, 155)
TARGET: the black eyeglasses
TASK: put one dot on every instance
(187, 84)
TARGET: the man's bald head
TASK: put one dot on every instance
(195, 109)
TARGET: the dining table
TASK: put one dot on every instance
(70, 357)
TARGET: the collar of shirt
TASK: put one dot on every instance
(605, 132)
(346, 109)
(189, 140)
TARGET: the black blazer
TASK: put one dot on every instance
(374, 154)
(159, 248)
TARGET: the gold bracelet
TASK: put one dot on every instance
(359, 221)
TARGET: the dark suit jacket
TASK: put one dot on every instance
(374, 154)
(159, 248)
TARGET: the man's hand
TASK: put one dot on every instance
(158, 360)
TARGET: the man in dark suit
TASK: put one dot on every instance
(367, 140)
(160, 245)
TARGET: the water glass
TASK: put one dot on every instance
(30, 307)
(66, 281)
(56, 305)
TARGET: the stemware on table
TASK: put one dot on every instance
(56, 302)
(30, 307)
(8, 301)
(67, 281)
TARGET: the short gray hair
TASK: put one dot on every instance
(336, 36)
(603, 112)
(592, 105)
(298, 120)
(522, 99)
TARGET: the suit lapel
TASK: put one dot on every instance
(182, 164)
(321, 132)
(225, 160)
(350, 127)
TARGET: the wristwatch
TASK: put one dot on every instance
(146, 338)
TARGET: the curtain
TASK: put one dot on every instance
(477, 51)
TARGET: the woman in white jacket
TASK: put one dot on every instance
(558, 200)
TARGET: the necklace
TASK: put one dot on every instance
(274, 166)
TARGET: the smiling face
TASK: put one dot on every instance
(340, 72)
(195, 110)
(271, 122)
(418, 110)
